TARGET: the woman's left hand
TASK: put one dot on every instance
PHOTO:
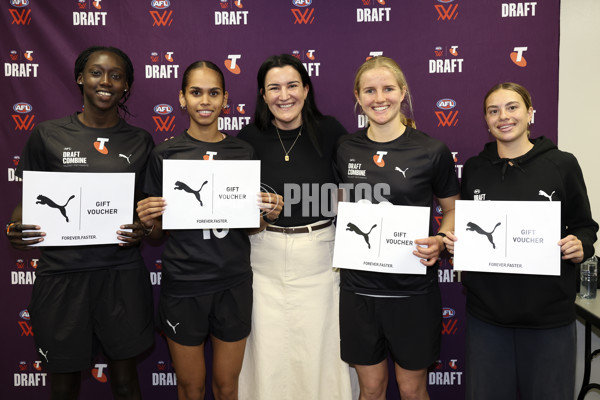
(571, 249)
(131, 238)
(429, 249)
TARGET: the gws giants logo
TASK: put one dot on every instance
(446, 117)
(304, 16)
(23, 122)
(160, 14)
(20, 15)
(164, 122)
(446, 11)
(517, 56)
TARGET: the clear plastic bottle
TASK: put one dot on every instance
(589, 278)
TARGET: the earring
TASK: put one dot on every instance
(182, 106)
(80, 83)
(124, 90)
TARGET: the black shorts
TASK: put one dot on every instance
(409, 328)
(72, 313)
(225, 315)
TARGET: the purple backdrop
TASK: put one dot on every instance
(452, 52)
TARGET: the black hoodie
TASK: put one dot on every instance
(543, 173)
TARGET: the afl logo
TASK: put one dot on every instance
(302, 3)
(445, 1)
(24, 315)
(163, 109)
(19, 3)
(446, 104)
(160, 4)
(438, 209)
(22, 108)
(448, 312)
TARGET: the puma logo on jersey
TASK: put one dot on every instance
(182, 186)
(42, 353)
(126, 157)
(173, 326)
(351, 227)
(549, 196)
(474, 227)
(43, 200)
(403, 172)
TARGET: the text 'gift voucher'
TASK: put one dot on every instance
(517, 237)
(78, 208)
(211, 194)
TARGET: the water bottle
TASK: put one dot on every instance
(589, 278)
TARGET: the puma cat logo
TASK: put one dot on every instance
(126, 157)
(41, 199)
(474, 227)
(355, 229)
(182, 186)
(542, 193)
(173, 326)
(42, 353)
(403, 172)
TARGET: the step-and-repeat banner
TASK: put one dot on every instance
(452, 52)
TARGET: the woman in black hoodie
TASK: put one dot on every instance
(521, 328)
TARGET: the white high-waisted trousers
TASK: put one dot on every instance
(293, 351)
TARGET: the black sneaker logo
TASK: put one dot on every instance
(182, 186)
(355, 229)
(41, 199)
(474, 227)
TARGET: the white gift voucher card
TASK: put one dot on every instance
(380, 237)
(518, 237)
(78, 208)
(204, 194)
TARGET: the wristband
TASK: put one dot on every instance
(148, 231)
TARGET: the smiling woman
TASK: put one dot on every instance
(68, 321)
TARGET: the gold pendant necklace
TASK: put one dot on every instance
(287, 152)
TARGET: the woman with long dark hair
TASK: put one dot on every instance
(293, 350)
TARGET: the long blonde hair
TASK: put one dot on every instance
(386, 62)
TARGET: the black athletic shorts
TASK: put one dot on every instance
(72, 313)
(225, 315)
(409, 328)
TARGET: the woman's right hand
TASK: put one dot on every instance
(150, 210)
(24, 240)
(449, 241)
